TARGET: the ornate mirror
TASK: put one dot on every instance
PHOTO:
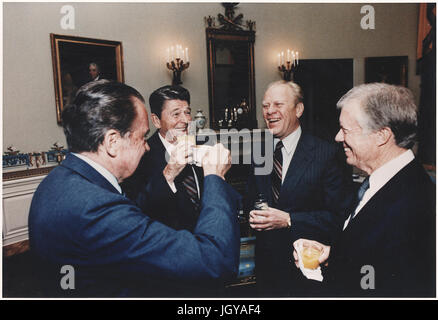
(231, 81)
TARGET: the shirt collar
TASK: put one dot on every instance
(103, 171)
(383, 174)
(291, 141)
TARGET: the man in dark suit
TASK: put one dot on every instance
(307, 193)
(387, 247)
(89, 240)
(171, 185)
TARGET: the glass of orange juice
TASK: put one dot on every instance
(310, 254)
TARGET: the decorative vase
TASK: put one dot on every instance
(200, 120)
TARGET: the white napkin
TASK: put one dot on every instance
(313, 274)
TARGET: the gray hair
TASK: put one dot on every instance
(296, 89)
(385, 105)
(98, 107)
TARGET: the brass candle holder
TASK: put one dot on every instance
(177, 66)
(177, 62)
(288, 65)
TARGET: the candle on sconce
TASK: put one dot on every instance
(293, 58)
(177, 56)
(177, 52)
(297, 57)
(177, 61)
(288, 55)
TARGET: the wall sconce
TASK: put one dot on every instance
(287, 65)
(177, 61)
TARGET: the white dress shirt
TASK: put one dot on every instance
(288, 150)
(169, 148)
(104, 172)
(381, 176)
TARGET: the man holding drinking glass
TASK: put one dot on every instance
(165, 177)
(387, 247)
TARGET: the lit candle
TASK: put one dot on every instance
(293, 58)
(187, 54)
(282, 57)
(297, 57)
(177, 51)
(288, 55)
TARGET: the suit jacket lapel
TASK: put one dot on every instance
(158, 151)
(300, 160)
(384, 196)
(268, 189)
(200, 175)
(89, 173)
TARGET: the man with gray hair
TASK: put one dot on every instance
(387, 247)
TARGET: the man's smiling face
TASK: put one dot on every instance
(281, 110)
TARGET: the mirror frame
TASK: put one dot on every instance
(247, 36)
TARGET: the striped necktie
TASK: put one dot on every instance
(190, 187)
(277, 172)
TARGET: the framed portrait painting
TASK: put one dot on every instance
(77, 61)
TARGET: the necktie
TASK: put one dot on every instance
(189, 184)
(276, 172)
(362, 189)
(360, 193)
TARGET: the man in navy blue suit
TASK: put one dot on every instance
(172, 188)
(307, 193)
(387, 247)
(81, 222)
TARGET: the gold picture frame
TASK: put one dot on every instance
(72, 58)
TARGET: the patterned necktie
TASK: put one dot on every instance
(277, 172)
(189, 184)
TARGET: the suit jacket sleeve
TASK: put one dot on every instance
(128, 238)
(155, 191)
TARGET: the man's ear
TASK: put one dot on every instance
(156, 121)
(299, 109)
(111, 142)
(384, 135)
